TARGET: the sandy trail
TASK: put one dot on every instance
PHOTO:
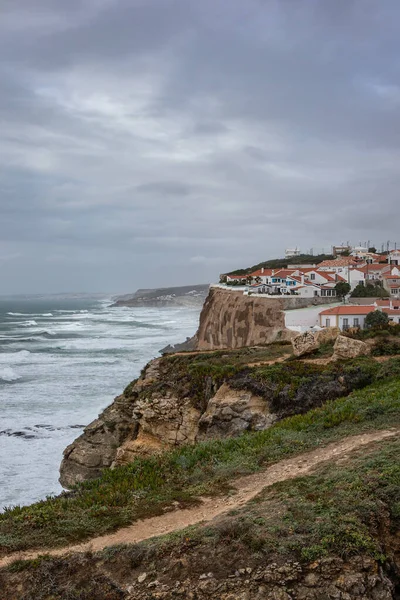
(246, 488)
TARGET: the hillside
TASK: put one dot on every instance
(330, 531)
(279, 263)
(188, 295)
(288, 488)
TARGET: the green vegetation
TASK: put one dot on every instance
(376, 320)
(342, 288)
(290, 388)
(369, 291)
(392, 331)
(199, 375)
(352, 510)
(282, 263)
(386, 347)
(148, 485)
(338, 512)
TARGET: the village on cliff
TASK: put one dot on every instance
(354, 281)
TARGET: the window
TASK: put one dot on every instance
(345, 323)
(356, 322)
(328, 322)
(312, 276)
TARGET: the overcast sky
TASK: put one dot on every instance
(154, 142)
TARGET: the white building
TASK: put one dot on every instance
(290, 252)
(394, 257)
(345, 316)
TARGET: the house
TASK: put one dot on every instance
(339, 250)
(355, 276)
(311, 290)
(290, 252)
(260, 288)
(262, 275)
(391, 307)
(339, 265)
(374, 271)
(391, 282)
(393, 314)
(345, 316)
(238, 279)
(394, 257)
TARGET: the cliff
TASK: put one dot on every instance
(230, 319)
(183, 399)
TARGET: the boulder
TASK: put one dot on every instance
(231, 412)
(346, 347)
(311, 340)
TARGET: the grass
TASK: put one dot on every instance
(289, 387)
(338, 512)
(148, 485)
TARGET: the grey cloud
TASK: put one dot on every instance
(164, 141)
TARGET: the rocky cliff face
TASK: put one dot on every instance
(231, 320)
(150, 417)
(183, 399)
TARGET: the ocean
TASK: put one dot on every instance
(63, 360)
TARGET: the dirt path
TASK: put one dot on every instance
(246, 488)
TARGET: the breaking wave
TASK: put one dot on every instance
(8, 374)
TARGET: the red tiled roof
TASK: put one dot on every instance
(284, 272)
(391, 311)
(348, 310)
(344, 261)
(259, 272)
(373, 267)
(387, 302)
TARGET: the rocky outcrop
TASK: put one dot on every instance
(230, 319)
(142, 424)
(330, 578)
(311, 340)
(95, 449)
(183, 399)
(231, 412)
(346, 347)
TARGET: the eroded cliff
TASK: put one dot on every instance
(182, 399)
(230, 319)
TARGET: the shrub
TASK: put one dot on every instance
(376, 320)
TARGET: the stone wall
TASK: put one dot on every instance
(293, 302)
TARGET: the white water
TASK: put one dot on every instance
(61, 363)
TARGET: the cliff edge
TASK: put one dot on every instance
(229, 319)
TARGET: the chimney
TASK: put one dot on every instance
(273, 272)
(262, 270)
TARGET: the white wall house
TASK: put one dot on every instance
(394, 257)
(354, 277)
(391, 282)
(393, 314)
(345, 316)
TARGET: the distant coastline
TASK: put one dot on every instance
(187, 296)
